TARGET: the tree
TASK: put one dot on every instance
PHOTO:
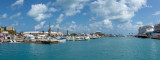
(12, 32)
(73, 34)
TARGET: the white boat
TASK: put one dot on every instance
(68, 38)
(87, 38)
(78, 39)
(62, 40)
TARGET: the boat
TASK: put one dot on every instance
(68, 38)
(87, 38)
(93, 37)
(62, 40)
(78, 39)
(52, 38)
(46, 42)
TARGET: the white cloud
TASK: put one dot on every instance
(4, 15)
(148, 6)
(156, 13)
(15, 15)
(118, 12)
(73, 28)
(102, 24)
(39, 26)
(73, 22)
(71, 7)
(129, 26)
(42, 16)
(16, 24)
(39, 12)
(139, 23)
(60, 18)
(92, 18)
(18, 3)
(84, 13)
(122, 11)
(52, 10)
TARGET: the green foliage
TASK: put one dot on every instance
(12, 32)
(73, 34)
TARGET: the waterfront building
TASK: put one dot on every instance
(5, 32)
(146, 29)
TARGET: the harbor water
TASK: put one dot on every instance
(108, 48)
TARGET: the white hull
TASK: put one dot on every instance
(64, 40)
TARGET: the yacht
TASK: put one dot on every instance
(78, 38)
(62, 40)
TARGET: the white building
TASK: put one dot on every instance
(145, 29)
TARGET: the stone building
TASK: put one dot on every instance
(7, 28)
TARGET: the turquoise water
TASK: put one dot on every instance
(109, 48)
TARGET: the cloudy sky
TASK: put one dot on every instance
(107, 16)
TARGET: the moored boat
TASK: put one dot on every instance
(62, 40)
(87, 38)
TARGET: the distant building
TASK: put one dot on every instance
(99, 33)
(67, 32)
(58, 30)
(145, 29)
(36, 33)
(157, 28)
(7, 28)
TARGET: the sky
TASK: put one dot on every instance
(79, 16)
